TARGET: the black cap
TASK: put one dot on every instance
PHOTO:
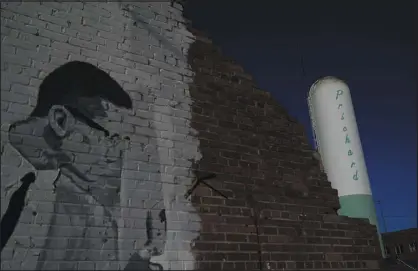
(78, 79)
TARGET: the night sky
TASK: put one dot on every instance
(369, 44)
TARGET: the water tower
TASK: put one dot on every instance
(338, 142)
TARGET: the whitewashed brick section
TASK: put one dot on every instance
(144, 47)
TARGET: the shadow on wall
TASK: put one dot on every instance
(14, 209)
(141, 259)
(61, 134)
(135, 15)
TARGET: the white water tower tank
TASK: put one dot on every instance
(338, 142)
(337, 137)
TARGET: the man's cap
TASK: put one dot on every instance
(78, 79)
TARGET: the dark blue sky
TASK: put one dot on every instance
(369, 44)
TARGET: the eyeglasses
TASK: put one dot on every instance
(82, 117)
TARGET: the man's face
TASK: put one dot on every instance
(72, 137)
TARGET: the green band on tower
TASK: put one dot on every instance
(361, 206)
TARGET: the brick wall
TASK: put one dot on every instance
(190, 116)
(280, 210)
(404, 238)
(104, 225)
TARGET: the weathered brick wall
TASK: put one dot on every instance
(280, 211)
(100, 226)
(260, 156)
(405, 238)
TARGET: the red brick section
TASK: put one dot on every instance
(404, 238)
(281, 210)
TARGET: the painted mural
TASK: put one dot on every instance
(64, 133)
(106, 188)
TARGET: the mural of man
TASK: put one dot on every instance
(65, 132)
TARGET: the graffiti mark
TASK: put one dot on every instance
(163, 219)
(339, 93)
(202, 180)
(14, 209)
(342, 116)
(339, 106)
(345, 129)
(353, 164)
(162, 216)
(71, 105)
(349, 153)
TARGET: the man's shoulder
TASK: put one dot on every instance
(43, 177)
